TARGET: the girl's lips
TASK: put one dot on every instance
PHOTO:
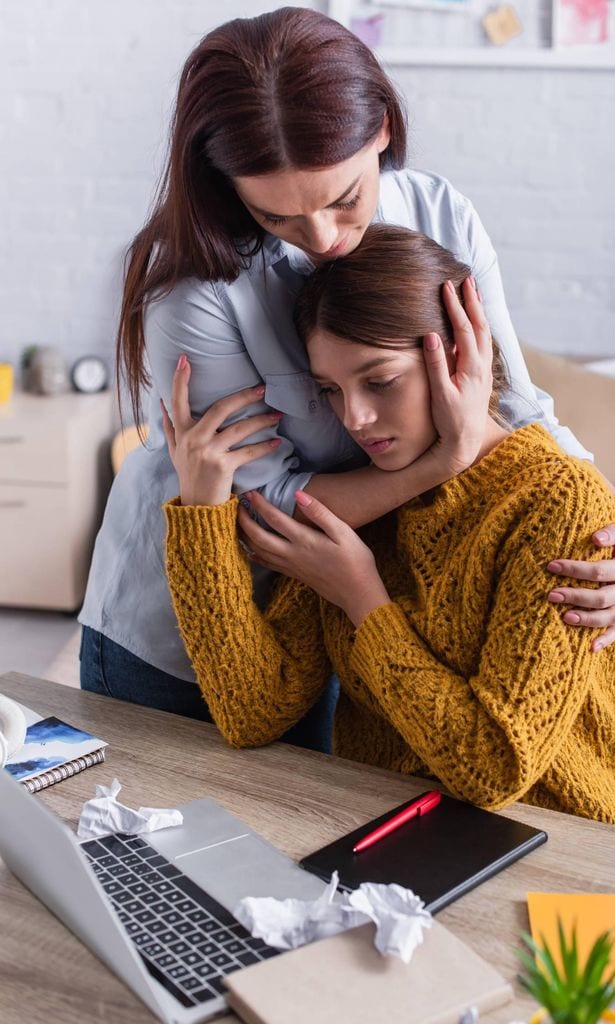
(375, 447)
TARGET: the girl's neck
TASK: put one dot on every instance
(493, 436)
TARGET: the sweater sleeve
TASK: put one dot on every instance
(491, 736)
(258, 672)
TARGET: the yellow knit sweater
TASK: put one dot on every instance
(468, 675)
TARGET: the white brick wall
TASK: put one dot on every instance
(535, 151)
(85, 91)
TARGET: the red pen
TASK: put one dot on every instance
(422, 805)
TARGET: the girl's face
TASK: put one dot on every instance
(325, 212)
(381, 396)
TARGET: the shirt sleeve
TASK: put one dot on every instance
(192, 320)
(524, 403)
(490, 737)
(258, 672)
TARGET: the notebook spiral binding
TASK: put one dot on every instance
(63, 771)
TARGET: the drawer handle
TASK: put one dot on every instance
(13, 504)
(11, 440)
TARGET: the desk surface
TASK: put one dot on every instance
(297, 799)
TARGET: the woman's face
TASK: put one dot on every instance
(381, 396)
(325, 212)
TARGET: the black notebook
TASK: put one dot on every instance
(439, 855)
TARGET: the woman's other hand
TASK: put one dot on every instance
(328, 556)
(596, 607)
(460, 401)
(204, 452)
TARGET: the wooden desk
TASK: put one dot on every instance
(297, 799)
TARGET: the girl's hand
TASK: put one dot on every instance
(593, 608)
(329, 556)
(460, 403)
(202, 451)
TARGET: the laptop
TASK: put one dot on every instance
(156, 908)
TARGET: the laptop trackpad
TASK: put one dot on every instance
(227, 859)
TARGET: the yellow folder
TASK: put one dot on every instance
(592, 913)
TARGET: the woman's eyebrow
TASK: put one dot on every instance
(288, 216)
(372, 364)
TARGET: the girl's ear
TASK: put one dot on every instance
(384, 135)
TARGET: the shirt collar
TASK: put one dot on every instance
(275, 249)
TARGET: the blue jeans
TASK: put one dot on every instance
(110, 669)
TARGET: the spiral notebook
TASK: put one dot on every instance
(53, 751)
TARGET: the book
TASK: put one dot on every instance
(53, 751)
(344, 980)
(439, 855)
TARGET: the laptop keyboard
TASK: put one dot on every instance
(187, 940)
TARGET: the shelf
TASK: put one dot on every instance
(575, 58)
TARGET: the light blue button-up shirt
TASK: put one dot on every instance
(236, 336)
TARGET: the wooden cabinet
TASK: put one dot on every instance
(54, 474)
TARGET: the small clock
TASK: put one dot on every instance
(90, 374)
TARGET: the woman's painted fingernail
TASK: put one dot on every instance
(602, 536)
(473, 283)
(260, 389)
(276, 415)
(599, 645)
(248, 495)
(572, 617)
(555, 567)
(277, 441)
(449, 285)
(182, 362)
(303, 499)
(431, 342)
(556, 597)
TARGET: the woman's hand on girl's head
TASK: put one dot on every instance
(460, 401)
(202, 451)
(329, 557)
(594, 608)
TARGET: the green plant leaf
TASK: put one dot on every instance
(569, 955)
(598, 959)
(573, 993)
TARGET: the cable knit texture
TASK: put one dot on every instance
(468, 675)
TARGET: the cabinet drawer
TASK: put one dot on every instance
(47, 439)
(36, 557)
(32, 452)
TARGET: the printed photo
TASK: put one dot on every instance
(582, 22)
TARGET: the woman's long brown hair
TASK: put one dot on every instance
(291, 88)
(388, 293)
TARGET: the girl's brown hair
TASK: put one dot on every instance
(291, 88)
(388, 293)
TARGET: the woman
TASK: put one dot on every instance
(288, 140)
(451, 662)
